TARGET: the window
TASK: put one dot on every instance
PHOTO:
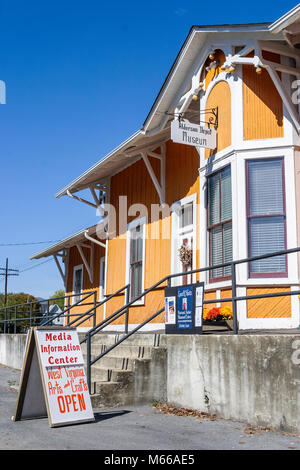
(266, 216)
(102, 279)
(135, 258)
(77, 283)
(183, 239)
(219, 223)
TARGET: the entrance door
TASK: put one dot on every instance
(183, 239)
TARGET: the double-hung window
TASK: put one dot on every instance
(219, 223)
(135, 258)
(77, 283)
(266, 216)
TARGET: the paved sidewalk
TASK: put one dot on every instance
(129, 428)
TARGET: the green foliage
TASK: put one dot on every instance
(22, 306)
(59, 302)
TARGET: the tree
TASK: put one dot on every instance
(20, 306)
(59, 302)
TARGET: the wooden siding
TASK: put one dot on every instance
(182, 163)
(226, 294)
(220, 96)
(263, 109)
(75, 260)
(276, 307)
(213, 73)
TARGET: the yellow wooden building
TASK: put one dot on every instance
(154, 196)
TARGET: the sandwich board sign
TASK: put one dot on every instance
(53, 381)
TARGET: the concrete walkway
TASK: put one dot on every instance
(130, 428)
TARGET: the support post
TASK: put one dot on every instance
(88, 361)
(234, 301)
(127, 291)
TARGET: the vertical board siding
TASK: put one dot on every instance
(213, 73)
(263, 108)
(75, 260)
(182, 163)
(220, 96)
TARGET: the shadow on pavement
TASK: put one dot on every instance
(101, 416)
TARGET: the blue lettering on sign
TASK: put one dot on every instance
(185, 308)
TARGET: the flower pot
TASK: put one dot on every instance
(229, 323)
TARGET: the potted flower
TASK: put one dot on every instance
(226, 313)
(219, 314)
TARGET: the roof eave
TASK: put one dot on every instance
(284, 21)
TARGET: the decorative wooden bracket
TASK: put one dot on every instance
(88, 266)
(159, 186)
(65, 259)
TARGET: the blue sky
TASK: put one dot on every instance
(80, 78)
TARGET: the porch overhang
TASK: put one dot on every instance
(83, 239)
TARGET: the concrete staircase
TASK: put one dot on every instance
(135, 372)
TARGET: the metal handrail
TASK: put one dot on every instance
(168, 279)
(14, 308)
(102, 302)
(64, 313)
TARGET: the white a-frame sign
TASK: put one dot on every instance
(53, 381)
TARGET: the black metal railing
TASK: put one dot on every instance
(168, 279)
(18, 318)
(10, 314)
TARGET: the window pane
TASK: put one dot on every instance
(133, 243)
(136, 244)
(216, 250)
(226, 203)
(186, 215)
(139, 250)
(267, 234)
(78, 278)
(227, 247)
(265, 187)
(136, 280)
(214, 199)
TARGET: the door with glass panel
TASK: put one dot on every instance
(184, 239)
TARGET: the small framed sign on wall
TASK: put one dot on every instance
(184, 309)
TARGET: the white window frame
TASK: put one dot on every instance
(176, 232)
(132, 225)
(102, 277)
(77, 268)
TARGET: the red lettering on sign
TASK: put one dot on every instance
(61, 404)
(70, 403)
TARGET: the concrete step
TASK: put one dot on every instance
(112, 393)
(110, 375)
(138, 339)
(129, 350)
(120, 363)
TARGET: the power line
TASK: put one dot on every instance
(29, 243)
(35, 266)
(8, 272)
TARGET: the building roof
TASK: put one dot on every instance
(150, 131)
(289, 18)
(65, 243)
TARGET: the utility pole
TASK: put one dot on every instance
(7, 272)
